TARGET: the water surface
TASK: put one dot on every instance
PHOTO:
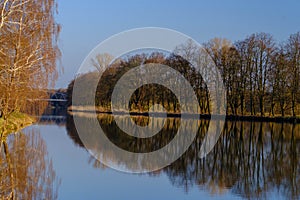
(251, 160)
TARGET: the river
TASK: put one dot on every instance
(250, 160)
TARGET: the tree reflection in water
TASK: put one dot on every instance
(26, 171)
(251, 159)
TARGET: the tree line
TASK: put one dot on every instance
(260, 75)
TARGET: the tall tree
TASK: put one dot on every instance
(28, 51)
(292, 48)
(279, 82)
(256, 53)
(264, 50)
(218, 49)
(102, 61)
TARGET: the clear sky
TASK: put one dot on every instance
(87, 23)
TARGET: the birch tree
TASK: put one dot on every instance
(28, 51)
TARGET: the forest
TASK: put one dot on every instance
(260, 75)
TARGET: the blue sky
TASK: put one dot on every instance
(87, 23)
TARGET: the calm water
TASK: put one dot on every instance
(250, 160)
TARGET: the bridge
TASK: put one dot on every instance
(52, 100)
(58, 99)
(56, 111)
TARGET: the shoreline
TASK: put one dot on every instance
(277, 119)
(15, 122)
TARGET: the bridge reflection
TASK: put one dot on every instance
(52, 119)
(54, 115)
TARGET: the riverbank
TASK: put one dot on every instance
(278, 119)
(15, 122)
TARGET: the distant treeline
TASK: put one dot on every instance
(261, 76)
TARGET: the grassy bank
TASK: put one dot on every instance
(14, 122)
(257, 118)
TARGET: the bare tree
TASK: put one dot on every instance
(28, 51)
(278, 82)
(102, 61)
(256, 53)
(292, 49)
(264, 50)
(218, 49)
